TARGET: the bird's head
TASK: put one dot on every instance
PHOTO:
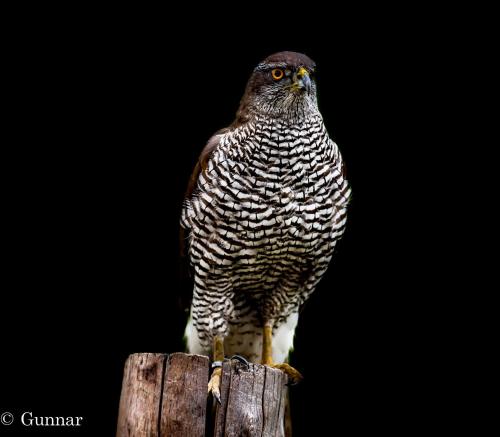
(281, 86)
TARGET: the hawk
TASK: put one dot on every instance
(264, 208)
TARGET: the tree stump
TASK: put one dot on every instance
(253, 401)
(166, 396)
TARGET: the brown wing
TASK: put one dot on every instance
(185, 270)
(201, 164)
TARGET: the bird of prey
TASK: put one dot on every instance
(264, 208)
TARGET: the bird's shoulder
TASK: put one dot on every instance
(202, 162)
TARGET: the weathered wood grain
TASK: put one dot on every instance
(184, 404)
(253, 401)
(140, 396)
(167, 397)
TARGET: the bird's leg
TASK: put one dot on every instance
(214, 383)
(294, 375)
(267, 345)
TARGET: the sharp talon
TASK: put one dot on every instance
(294, 376)
(216, 395)
(242, 360)
(214, 384)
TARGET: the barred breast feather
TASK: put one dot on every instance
(262, 221)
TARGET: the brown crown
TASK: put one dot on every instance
(293, 59)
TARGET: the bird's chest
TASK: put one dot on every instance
(277, 200)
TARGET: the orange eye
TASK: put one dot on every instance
(277, 73)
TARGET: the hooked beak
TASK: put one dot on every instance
(301, 80)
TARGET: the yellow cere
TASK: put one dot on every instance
(302, 72)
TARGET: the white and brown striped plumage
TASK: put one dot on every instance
(266, 206)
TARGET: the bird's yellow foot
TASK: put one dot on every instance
(294, 376)
(214, 383)
(215, 380)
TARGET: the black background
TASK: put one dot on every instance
(106, 119)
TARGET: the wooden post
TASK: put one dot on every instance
(166, 396)
(184, 406)
(253, 401)
(141, 392)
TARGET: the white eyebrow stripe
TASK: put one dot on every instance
(264, 66)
